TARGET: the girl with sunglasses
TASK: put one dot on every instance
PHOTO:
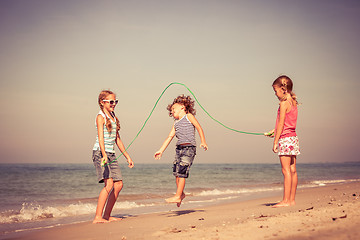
(104, 159)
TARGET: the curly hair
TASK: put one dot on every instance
(186, 101)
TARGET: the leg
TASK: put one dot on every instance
(111, 201)
(180, 183)
(104, 193)
(180, 188)
(179, 195)
(285, 167)
(294, 180)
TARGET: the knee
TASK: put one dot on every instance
(109, 184)
(286, 171)
(293, 171)
(118, 185)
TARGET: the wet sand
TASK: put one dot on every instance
(327, 212)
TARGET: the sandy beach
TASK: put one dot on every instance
(326, 212)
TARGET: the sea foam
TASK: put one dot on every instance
(36, 212)
(217, 192)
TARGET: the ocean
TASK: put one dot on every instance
(37, 196)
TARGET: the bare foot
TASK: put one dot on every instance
(114, 219)
(181, 198)
(281, 204)
(100, 220)
(292, 203)
(174, 199)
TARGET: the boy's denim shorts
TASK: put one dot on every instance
(111, 170)
(183, 160)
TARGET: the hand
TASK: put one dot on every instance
(270, 134)
(204, 146)
(275, 148)
(158, 155)
(131, 163)
(103, 161)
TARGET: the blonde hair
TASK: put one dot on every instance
(286, 84)
(102, 96)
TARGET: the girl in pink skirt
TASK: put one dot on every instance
(286, 142)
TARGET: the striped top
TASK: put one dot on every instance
(109, 139)
(184, 131)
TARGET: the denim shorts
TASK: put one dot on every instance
(111, 170)
(183, 160)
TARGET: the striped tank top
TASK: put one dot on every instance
(184, 131)
(109, 139)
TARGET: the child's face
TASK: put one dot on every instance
(109, 103)
(279, 92)
(177, 110)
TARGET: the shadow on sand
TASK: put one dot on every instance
(180, 213)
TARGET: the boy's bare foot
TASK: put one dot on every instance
(281, 204)
(100, 220)
(181, 198)
(113, 219)
(174, 199)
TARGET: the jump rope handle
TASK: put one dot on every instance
(269, 134)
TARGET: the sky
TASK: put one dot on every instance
(56, 56)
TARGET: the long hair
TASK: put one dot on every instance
(186, 101)
(102, 96)
(286, 84)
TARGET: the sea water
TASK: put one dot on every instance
(36, 196)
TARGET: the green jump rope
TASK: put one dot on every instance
(176, 83)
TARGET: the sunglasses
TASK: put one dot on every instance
(112, 102)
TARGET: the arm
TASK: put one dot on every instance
(100, 127)
(280, 126)
(121, 147)
(166, 143)
(193, 120)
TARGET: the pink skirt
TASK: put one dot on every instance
(289, 146)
